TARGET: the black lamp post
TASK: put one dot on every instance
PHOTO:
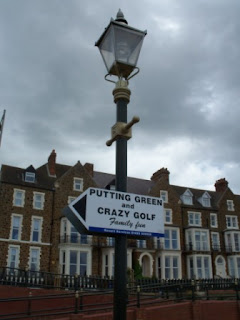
(120, 46)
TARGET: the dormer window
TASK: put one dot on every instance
(30, 174)
(30, 177)
(187, 197)
(111, 185)
(205, 200)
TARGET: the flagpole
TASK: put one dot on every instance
(1, 125)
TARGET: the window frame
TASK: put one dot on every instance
(194, 219)
(170, 216)
(69, 234)
(20, 217)
(215, 224)
(206, 197)
(187, 197)
(111, 241)
(15, 198)
(195, 243)
(36, 249)
(230, 205)
(34, 218)
(70, 199)
(76, 182)
(141, 244)
(193, 273)
(161, 267)
(41, 201)
(215, 246)
(78, 263)
(158, 242)
(164, 195)
(231, 244)
(30, 177)
(108, 262)
(230, 224)
(171, 239)
(234, 270)
(16, 247)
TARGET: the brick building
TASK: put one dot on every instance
(202, 235)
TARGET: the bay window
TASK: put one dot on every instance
(197, 239)
(69, 234)
(232, 241)
(168, 266)
(234, 266)
(78, 262)
(199, 266)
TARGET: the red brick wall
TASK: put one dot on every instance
(198, 310)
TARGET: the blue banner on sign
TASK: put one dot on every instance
(127, 232)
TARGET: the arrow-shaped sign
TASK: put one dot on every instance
(115, 212)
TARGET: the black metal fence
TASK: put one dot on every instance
(39, 279)
(87, 290)
(144, 293)
(27, 278)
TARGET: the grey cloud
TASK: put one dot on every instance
(52, 79)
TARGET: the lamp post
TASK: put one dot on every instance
(120, 46)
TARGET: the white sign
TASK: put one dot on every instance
(116, 212)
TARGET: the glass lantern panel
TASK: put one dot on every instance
(107, 49)
(128, 44)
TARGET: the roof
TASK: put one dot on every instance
(197, 193)
(15, 176)
(134, 185)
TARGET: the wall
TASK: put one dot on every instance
(188, 310)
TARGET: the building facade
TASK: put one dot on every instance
(202, 234)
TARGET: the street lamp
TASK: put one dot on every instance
(120, 47)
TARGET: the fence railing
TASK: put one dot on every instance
(30, 307)
(27, 278)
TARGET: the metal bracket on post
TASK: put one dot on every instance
(122, 130)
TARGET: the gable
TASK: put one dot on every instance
(75, 174)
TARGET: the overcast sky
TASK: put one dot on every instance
(187, 93)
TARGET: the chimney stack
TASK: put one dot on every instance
(52, 163)
(89, 168)
(221, 185)
(163, 173)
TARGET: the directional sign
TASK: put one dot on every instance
(115, 212)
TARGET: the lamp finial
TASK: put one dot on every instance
(120, 17)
